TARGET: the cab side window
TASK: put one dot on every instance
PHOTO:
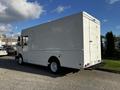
(19, 43)
(25, 40)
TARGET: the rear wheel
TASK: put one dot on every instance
(54, 67)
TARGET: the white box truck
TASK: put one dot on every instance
(72, 41)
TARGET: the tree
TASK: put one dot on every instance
(110, 44)
(102, 47)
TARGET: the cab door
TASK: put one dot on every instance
(25, 49)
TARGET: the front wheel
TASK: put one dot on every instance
(54, 67)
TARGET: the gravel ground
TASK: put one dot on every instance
(31, 77)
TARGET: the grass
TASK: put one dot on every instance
(112, 65)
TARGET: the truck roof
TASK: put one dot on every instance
(85, 14)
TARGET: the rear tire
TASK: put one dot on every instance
(54, 67)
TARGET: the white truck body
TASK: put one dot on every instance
(74, 40)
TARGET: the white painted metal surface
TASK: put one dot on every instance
(92, 45)
(74, 40)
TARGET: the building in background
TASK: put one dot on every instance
(7, 40)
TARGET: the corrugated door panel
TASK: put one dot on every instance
(86, 41)
(94, 39)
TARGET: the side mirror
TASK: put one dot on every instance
(18, 41)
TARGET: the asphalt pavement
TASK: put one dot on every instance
(32, 77)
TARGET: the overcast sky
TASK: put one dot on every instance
(16, 15)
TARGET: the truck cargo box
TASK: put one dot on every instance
(72, 41)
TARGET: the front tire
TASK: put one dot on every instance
(54, 67)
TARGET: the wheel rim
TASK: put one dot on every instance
(20, 60)
(54, 66)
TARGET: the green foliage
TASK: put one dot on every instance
(101, 46)
(111, 47)
(110, 44)
(111, 65)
